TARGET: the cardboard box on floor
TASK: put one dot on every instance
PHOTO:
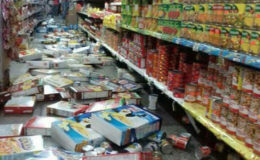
(71, 18)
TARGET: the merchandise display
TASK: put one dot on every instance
(130, 79)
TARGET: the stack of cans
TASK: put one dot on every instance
(163, 63)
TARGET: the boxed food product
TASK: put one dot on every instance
(125, 124)
(38, 64)
(126, 156)
(26, 88)
(44, 72)
(103, 105)
(39, 126)
(90, 92)
(49, 94)
(65, 109)
(20, 105)
(29, 55)
(55, 154)
(75, 133)
(75, 76)
(11, 130)
(58, 81)
(20, 147)
(130, 97)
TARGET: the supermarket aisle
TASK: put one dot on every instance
(169, 124)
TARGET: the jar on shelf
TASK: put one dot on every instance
(248, 19)
(245, 41)
(255, 43)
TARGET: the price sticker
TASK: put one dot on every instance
(236, 59)
(178, 41)
(195, 47)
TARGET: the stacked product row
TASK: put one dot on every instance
(232, 26)
(230, 92)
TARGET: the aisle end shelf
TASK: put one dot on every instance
(243, 58)
(196, 110)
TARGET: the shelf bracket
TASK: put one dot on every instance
(192, 121)
(173, 105)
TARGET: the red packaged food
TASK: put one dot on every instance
(232, 118)
(241, 128)
(206, 93)
(254, 110)
(245, 102)
(234, 100)
(256, 89)
(248, 80)
(190, 92)
(223, 116)
(250, 133)
(214, 109)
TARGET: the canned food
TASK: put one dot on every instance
(100, 150)
(150, 147)
(186, 135)
(87, 148)
(250, 133)
(106, 145)
(256, 143)
(248, 80)
(166, 147)
(223, 117)
(157, 137)
(234, 100)
(256, 89)
(157, 155)
(245, 102)
(190, 92)
(254, 109)
(135, 147)
(232, 122)
(214, 109)
(178, 92)
(206, 92)
(241, 128)
(179, 142)
(202, 152)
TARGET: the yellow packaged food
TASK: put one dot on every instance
(235, 39)
(257, 17)
(227, 17)
(224, 37)
(200, 33)
(245, 41)
(255, 43)
(210, 14)
(136, 10)
(248, 20)
(238, 12)
(218, 11)
(202, 13)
